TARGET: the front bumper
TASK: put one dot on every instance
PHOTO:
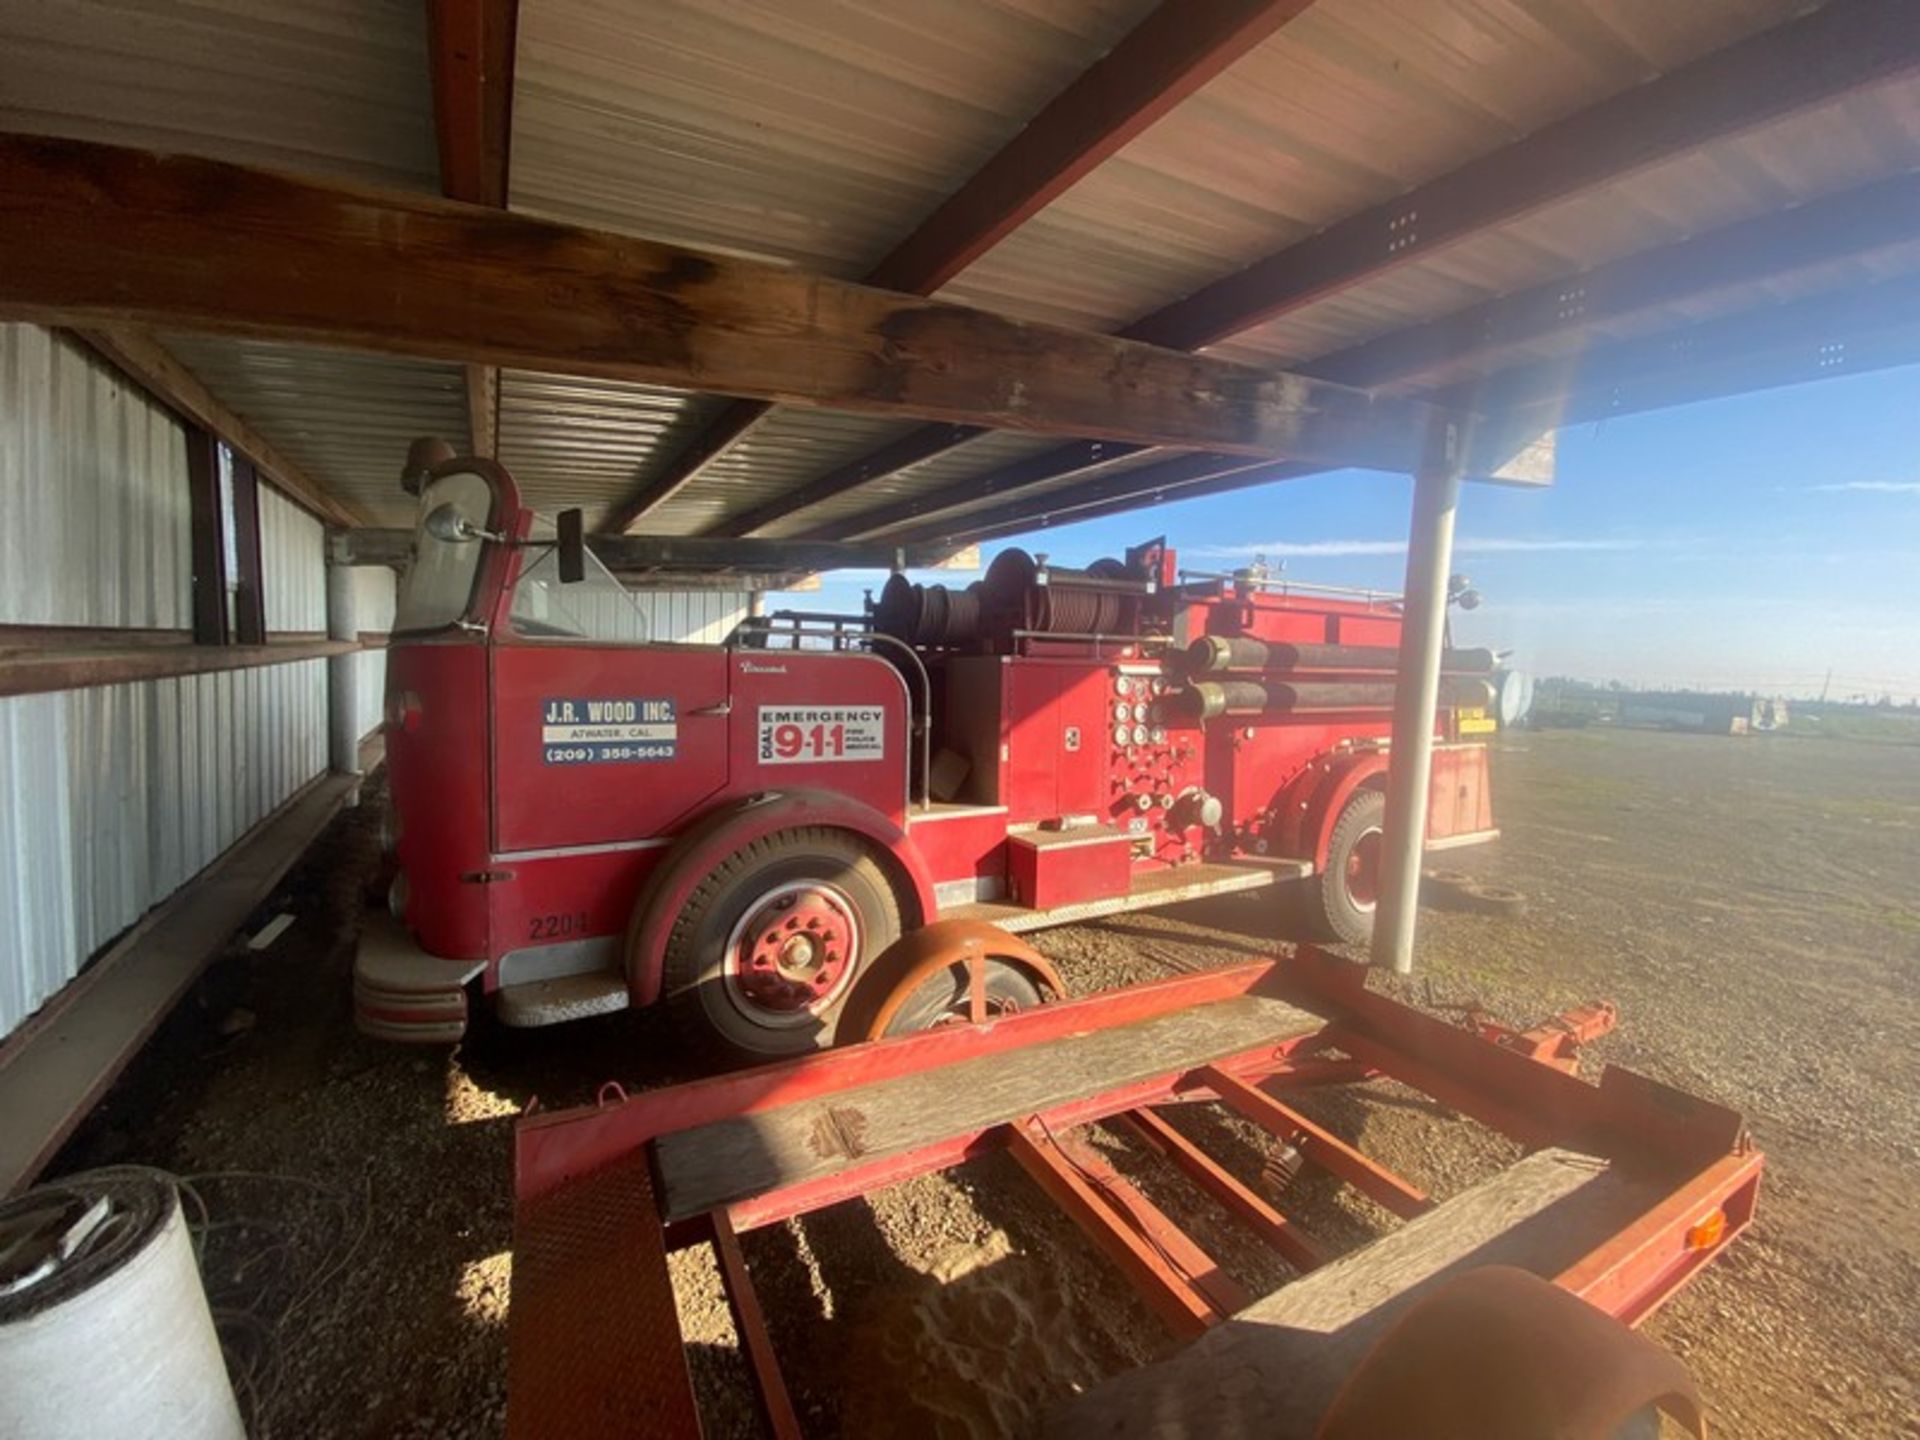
(402, 993)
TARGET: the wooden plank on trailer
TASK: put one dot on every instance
(747, 1155)
(1276, 1366)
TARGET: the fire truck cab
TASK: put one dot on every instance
(585, 819)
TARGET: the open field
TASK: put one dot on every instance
(1753, 905)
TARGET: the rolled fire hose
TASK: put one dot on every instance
(1208, 698)
(1225, 654)
(104, 1328)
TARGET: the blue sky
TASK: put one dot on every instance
(1754, 542)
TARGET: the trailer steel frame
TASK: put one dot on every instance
(591, 1351)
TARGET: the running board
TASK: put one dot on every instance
(1165, 887)
(568, 997)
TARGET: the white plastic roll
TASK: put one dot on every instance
(104, 1327)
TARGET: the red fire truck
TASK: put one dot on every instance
(585, 820)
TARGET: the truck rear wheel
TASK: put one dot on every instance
(1343, 895)
(762, 957)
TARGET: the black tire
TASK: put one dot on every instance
(1484, 899)
(1333, 911)
(708, 998)
(945, 998)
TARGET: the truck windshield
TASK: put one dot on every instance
(597, 607)
(438, 585)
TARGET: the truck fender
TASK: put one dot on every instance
(1310, 805)
(696, 853)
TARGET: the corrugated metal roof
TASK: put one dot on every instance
(1350, 104)
(1833, 148)
(978, 457)
(330, 87)
(785, 450)
(816, 131)
(346, 419)
(576, 441)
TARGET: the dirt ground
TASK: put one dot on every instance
(1752, 905)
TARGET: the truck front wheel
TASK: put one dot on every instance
(762, 957)
(1343, 895)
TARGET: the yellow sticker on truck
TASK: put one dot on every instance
(821, 734)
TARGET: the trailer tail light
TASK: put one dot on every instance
(398, 894)
(1707, 1233)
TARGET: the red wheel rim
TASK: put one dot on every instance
(793, 954)
(1363, 871)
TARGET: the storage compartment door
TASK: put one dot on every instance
(600, 743)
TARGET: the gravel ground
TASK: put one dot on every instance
(1752, 905)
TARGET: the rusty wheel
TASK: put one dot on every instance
(953, 972)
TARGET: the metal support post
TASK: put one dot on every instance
(1416, 695)
(343, 689)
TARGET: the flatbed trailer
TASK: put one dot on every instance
(1629, 1188)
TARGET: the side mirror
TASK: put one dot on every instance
(572, 560)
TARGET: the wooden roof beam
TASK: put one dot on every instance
(909, 450)
(470, 46)
(1855, 223)
(1845, 46)
(1177, 49)
(103, 234)
(1873, 327)
(156, 369)
(1077, 457)
(680, 554)
(1821, 337)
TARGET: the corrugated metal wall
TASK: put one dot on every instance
(373, 596)
(93, 493)
(112, 797)
(693, 617)
(293, 565)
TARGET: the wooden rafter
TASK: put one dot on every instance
(97, 234)
(1853, 224)
(1177, 477)
(470, 45)
(1841, 48)
(1847, 46)
(1822, 337)
(1875, 327)
(909, 450)
(1821, 232)
(687, 554)
(156, 369)
(1172, 53)
(1077, 457)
